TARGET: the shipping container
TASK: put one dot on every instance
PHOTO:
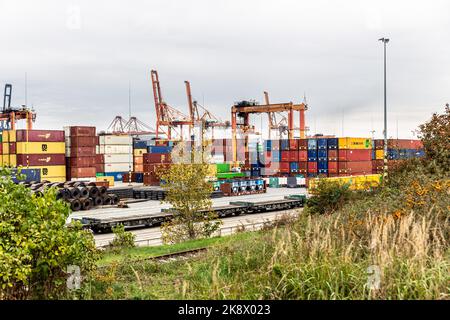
(9, 160)
(276, 155)
(41, 159)
(303, 155)
(312, 144)
(113, 140)
(312, 155)
(333, 167)
(293, 156)
(303, 167)
(118, 176)
(379, 154)
(40, 147)
(139, 152)
(79, 131)
(81, 161)
(138, 160)
(115, 149)
(312, 167)
(322, 167)
(322, 143)
(79, 172)
(114, 158)
(80, 141)
(355, 154)
(139, 167)
(332, 143)
(355, 167)
(322, 154)
(157, 158)
(399, 144)
(332, 155)
(118, 167)
(354, 143)
(303, 144)
(26, 175)
(40, 136)
(50, 171)
(293, 144)
(284, 167)
(285, 155)
(55, 179)
(80, 152)
(140, 144)
(284, 144)
(159, 149)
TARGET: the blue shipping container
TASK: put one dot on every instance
(322, 165)
(322, 143)
(322, 154)
(312, 144)
(312, 155)
(284, 144)
(139, 177)
(268, 145)
(117, 175)
(28, 175)
(159, 149)
(293, 166)
(139, 144)
(332, 143)
(256, 172)
(276, 156)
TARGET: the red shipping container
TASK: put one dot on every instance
(40, 136)
(82, 172)
(285, 156)
(293, 144)
(355, 155)
(100, 167)
(293, 156)
(284, 167)
(156, 158)
(332, 155)
(303, 144)
(332, 166)
(303, 166)
(79, 131)
(82, 151)
(41, 159)
(312, 167)
(83, 142)
(82, 161)
(399, 144)
(355, 167)
(12, 148)
(303, 155)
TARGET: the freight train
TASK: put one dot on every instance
(235, 208)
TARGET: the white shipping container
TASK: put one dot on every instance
(115, 140)
(301, 181)
(118, 167)
(282, 181)
(115, 149)
(118, 158)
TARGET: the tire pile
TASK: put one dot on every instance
(80, 195)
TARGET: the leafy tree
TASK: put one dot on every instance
(189, 192)
(36, 246)
(435, 135)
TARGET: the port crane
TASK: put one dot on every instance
(168, 119)
(9, 116)
(119, 126)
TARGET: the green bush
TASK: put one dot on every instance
(328, 197)
(122, 239)
(36, 246)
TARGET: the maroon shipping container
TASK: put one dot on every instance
(285, 155)
(293, 156)
(399, 144)
(12, 148)
(78, 131)
(99, 167)
(355, 167)
(81, 161)
(150, 179)
(303, 144)
(312, 167)
(284, 167)
(82, 142)
(302, 166)
(82, 152)
(293, 144)
(41, 159)
(303, 155)
(148, 168)
(40, 136)
(332, 155)
(355, 155)
(82, 172)
(332, 166)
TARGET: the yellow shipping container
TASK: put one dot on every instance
(40, 147)
(139, 152)
(109, 179)
(355, 143)
(5, 136)
(12, 136)
(56, 179)
(10, 160)
(379, 154)
(51, 171)
(363, 182)
(5, 147)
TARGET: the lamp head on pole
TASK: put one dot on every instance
(384, 40)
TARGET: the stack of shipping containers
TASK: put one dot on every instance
(114, 156)
(398, 150)
(354, 156)
(139, 149)
(80, 153)
(312, 158)
(36, 149)
(332, 149)
(157, 157)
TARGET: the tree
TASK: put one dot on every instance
(189, 192)
(36, 246)
(435, 135)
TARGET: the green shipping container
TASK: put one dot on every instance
(273, 182)
(99, 174)
(230, 175)
(223, 167)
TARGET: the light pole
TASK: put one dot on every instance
(385, 41)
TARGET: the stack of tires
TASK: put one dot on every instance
(80, 195)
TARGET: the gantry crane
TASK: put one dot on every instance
(202, 116)
(167, 116)
(131, 127)
(280, 125)
(9, 116)
(242, 111)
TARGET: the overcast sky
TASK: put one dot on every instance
(80, 57)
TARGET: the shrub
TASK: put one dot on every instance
(122, 239)
(328, 196)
